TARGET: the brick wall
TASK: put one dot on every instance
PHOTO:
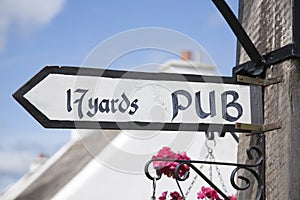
(269, 25)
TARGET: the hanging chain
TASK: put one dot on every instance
(210, 156)
(191, 186)
(200, 168)
(194, 179)
(219, 173)
(210, 173)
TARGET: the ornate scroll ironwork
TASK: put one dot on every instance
(246, 181)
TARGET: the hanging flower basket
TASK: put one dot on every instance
(168, 168)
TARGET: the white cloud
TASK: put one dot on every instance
(15, 162)
(26, 13)
(13, 166)
(16, 155)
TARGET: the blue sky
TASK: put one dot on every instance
(35, 33)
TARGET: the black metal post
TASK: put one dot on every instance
(239, 32)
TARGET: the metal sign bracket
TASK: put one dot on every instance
(257, 128)
(258, 81)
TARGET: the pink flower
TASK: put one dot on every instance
(168, 167)
(163, 196)
(211, 194)
(207, 192)
(183, 168)
(232, 197)
(176, 196)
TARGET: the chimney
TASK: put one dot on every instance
(35, 164)
(186, 55)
